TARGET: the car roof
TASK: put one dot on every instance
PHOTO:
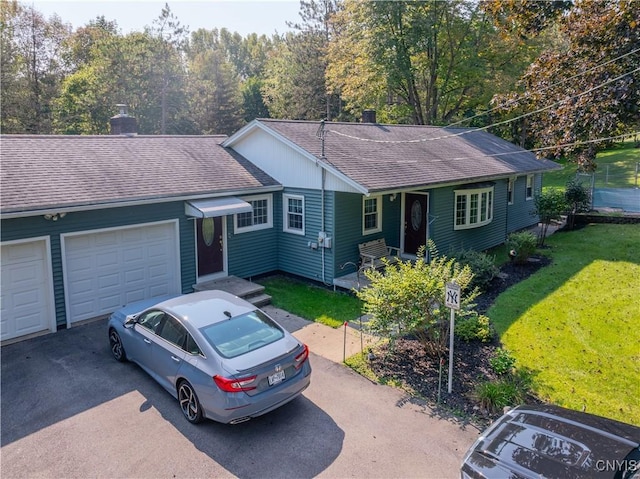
(206, 307)
(551, 441)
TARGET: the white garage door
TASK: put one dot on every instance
(108, 269)
(27, 293)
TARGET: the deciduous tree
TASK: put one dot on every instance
(32, 67)
(590, 89)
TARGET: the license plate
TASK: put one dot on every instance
(276, 378)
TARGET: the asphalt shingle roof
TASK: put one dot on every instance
(385, 157)
(44, 172)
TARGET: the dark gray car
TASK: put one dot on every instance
(546, 441)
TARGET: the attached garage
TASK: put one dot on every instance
(104, 270)
(27, 288)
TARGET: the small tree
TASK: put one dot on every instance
(577, 198)
(550, 205)
(408, 298)
(521, 245)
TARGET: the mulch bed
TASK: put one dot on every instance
(408, 364)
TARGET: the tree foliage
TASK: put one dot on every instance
(550, 206)
(525, 17)
(408, 297)
(587, 90)
(425, 62)
(577, 198)
(419, 62)
(32, 67)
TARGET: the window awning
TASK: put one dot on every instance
(216, 207)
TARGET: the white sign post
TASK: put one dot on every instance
(451, 300)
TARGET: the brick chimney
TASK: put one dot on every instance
(369, 116)
(123, 124)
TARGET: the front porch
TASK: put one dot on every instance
(353, 281)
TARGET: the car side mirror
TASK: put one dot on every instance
(130, 321)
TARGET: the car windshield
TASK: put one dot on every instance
(241, 334)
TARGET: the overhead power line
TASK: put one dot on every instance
(553, 85)
(483, 128)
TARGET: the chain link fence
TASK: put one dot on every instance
(614, 187)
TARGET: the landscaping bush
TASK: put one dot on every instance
(408, 298)
(521, 246)
(474, 328)
(509, 390)
(482, 266)
(502, 362)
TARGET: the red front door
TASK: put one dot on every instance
(415, 222)
(210, 247)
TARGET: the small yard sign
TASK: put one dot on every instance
(452, 296)
(451, 300)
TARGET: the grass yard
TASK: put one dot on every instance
(576, 322)
(312, 302)
(620, 159)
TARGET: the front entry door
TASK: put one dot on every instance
(209, 236)
(415, 222)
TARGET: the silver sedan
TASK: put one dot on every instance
(220, 356)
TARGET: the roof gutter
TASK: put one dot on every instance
(477, 179)
(142, 202)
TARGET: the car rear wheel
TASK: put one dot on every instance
(189, 403)
(117, 349)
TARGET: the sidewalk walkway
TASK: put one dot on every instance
(332, 344)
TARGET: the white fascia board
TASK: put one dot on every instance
(235, 138)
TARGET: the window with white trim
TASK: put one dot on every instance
(473, 208)
(510, 186)
(260, 217)
(293, 214)
(529, 194)
(371, 214)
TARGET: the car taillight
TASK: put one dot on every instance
(302, 357)
(232, 385)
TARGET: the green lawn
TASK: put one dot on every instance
(620, 159)
(312, 302)
(576, 322)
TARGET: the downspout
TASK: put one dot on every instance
(322, 191)
(321, 134)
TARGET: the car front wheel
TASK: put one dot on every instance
(189, 403)
(117, 349)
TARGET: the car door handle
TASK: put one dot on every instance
(148, 341)
(177, 360)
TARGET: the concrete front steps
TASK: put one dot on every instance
(252, 292)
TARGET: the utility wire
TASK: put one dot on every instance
(474, 130)
(516, 100)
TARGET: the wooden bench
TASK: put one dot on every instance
(373, 252)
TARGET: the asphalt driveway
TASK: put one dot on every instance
(70, 410)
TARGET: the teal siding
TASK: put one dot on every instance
(31, 227)
(448, 240)
(348, 228)
(294, 254)
(254, 252)
(520, 213)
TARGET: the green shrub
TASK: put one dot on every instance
(491, 395)
(521, 246)
(502, 362)
(482, 266)
(510, 390)
(474, 328)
